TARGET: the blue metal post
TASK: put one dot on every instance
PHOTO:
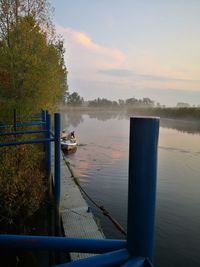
(144, 133)
(48, 136)
(43, 115)
(57, 158)
(43, 126)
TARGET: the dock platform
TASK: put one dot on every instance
(76, 220)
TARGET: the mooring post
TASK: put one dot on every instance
(144, 133)
(57, 166)
(48, 136)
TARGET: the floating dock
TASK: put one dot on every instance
(76, 220)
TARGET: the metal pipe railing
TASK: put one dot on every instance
(23, 132)
(138, 251)
(16, 143)
(116, 258)
(60, 243)
(21, 124)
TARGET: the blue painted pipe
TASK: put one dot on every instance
(57, 158)
(144, 133)
(36, 117)
(27, 123)
(23, 132)
(48, 136)
(116, 258)
(15, 143)
(30, 123)
(60, 243)
(44, 115)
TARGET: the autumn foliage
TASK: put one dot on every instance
(32, 76)
(22, 185)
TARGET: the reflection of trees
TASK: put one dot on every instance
(72, 118)
(106, 114)
(103, 115)
(182, 126)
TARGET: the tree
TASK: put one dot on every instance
(182, 105)
(32, 76)
(32, 69)
(131, 101)
(121, 102)
(148, 102)
(75, 99)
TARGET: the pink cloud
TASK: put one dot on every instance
(102, 55)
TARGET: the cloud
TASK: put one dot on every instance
(145, 77)
(98, 70)
(82, 47)
(161, 78)
(117, 72)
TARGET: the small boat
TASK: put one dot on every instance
(68, 142)
(68, 145)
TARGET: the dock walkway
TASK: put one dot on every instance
(77, 221)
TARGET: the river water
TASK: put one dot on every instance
(101, 162)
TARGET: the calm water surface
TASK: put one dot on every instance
(101, 162)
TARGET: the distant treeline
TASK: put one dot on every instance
(144, 106)
(75, 99)
(101, 102)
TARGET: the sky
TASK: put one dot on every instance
(132, 48)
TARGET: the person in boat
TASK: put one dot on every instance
(72, 137)
(64, 135)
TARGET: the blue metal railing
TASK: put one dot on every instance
(48, 137)
(137, 251)
(23, 124)
(61, 243)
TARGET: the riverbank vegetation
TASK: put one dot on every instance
(32, 76)
(22, 186)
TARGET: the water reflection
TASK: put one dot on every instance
(192, 127)
(104, 116)
(72, 118)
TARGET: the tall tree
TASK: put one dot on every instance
(74, 99)
(32, 69)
